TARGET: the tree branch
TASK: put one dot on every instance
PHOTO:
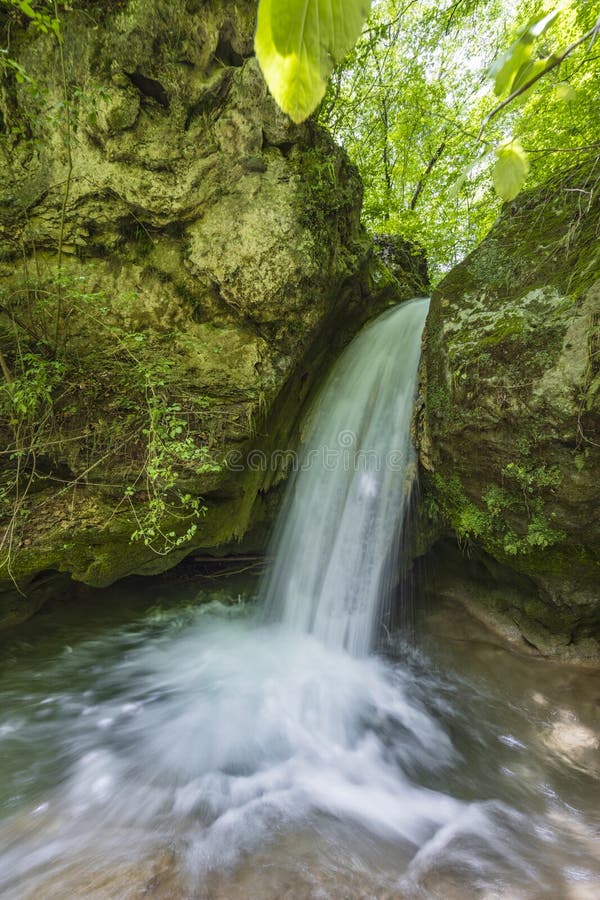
(563, 149)
(423, 178)
(525, 87)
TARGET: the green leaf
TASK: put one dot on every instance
(510, 170)
(456, 187)
(25, 7)
(565, 91)
(526, 73)
(539, 25)
(513, 61)
(505, 70)
(522, 76)
(298, 42)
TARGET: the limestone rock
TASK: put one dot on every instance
(511, 427)
(212, 264)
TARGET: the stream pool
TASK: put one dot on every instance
(158, 739)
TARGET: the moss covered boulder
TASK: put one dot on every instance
(179, 262)
(510, 431)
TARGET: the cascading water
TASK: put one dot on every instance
(348, 498)
(276, 756)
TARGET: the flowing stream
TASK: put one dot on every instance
(222, 739)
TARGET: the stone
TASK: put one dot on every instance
(510, 428)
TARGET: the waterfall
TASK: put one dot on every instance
(347, 499)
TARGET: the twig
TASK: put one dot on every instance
(525, 87)
(5, 370)
(563, 149)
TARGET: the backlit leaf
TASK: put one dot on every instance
(26, 8)
(516, 58)
(510, 170)
(565, 91)
(539, 25)
(456, 187)
(527, 73)
(298, 42)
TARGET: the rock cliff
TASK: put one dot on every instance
(510, 431)
(178, 263)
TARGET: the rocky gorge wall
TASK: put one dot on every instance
(510, 430)
(178, 262)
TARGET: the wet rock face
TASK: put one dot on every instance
(204, 239)
(511, 427)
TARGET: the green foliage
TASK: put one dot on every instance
(517, 74)
(42, 15)
(510, 523)
(408, 104)
(297, 44)
(171, 451)
(407, 110)
(510, 170)
(540, 533)
(530, 478)
(514, 67)
(29, 395)
(103, 397)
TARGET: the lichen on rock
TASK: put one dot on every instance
(510, 430)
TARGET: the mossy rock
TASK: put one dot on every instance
(510, 427)
(212, 252)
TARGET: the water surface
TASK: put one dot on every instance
(159, 738)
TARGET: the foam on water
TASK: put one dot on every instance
(227, 735)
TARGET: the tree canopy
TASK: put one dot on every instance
(446, 108)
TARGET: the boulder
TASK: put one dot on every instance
(510, 430)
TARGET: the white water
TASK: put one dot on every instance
(336, 536)
(225, 741)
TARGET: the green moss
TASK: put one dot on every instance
(511, 389)
(492, 523)
(512, 326)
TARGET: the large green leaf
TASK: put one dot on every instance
(515, 58)
(510, 170)
(298, 42)
(530, 71)
(506, 68)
